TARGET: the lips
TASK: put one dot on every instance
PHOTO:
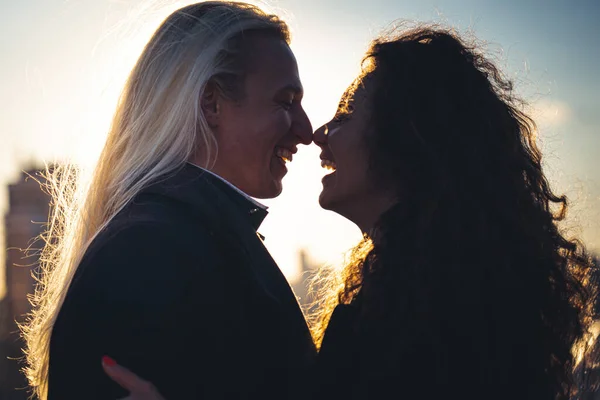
(285, 153)
(328, 165)
(327, 161)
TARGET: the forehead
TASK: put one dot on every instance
(274, 66)
(356, 94)
(362, 86)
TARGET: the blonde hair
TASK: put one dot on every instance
(157, 127)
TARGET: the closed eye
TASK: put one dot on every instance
(343, 113)
(340, 117)
(288, 96)
(287, 105)
(345, 107)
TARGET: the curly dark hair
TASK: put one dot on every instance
(467, 282)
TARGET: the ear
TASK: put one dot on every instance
(210, 105)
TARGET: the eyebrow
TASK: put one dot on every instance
(292, 87)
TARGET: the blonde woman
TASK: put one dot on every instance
(160, 266)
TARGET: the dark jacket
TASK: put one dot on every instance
(337, 374)
(180, 289)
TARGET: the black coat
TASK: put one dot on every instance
(180, 289)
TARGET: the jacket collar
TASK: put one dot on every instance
(224, 209)
(236, 218)
(192, 185)
(232, 186)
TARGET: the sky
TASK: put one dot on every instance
(64, 63)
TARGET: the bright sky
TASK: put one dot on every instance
(64, 63)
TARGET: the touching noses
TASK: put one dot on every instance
(303, 128)
(320, 136)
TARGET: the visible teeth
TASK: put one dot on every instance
(329, 165)
(284, 154)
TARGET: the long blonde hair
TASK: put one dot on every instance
(157, 127)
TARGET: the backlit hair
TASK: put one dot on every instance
(467, 283)
(157, 127)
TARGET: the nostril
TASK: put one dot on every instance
(305, 136)
(320, 135)
(309, 138)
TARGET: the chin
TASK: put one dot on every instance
(332, 201)
(325, 202)
(270, 190)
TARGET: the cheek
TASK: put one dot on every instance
(268, 130)
(271, 132)
(277, 125)
(354, 178)
(250, 140)
(353, 165)
(255, 138)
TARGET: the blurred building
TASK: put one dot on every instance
(27, 213)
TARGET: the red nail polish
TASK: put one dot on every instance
(106, 360)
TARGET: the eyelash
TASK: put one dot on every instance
(287, 105)
(343, 114)
(340, 117)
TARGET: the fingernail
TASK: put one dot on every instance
(109, 362)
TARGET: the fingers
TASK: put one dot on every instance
(127, 379)
(138, 388)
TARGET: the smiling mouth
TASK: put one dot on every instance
(329, 165)
(284, 154)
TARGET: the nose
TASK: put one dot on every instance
(320, 136)
(303, 127)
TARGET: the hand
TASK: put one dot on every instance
(138, 388)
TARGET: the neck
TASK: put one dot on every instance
(200, 162)
(368, 213)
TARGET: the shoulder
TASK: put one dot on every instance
(140, 259)
(145, 240)
(157, 225)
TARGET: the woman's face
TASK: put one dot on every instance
(349, 189)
